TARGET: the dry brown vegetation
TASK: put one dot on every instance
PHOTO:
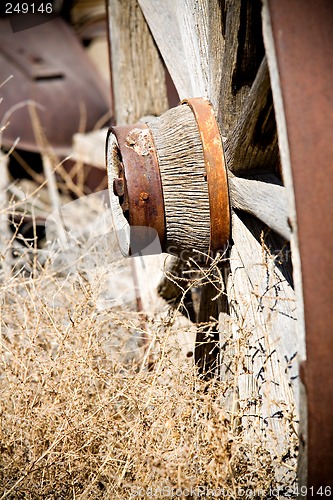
(78, 421)
(88, 411)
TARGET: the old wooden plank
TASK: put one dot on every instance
(163, 23)
(138, 75)
(190, 37)
(200, 23)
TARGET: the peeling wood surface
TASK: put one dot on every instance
(138, 75)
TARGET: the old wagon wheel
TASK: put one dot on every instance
(216, 51)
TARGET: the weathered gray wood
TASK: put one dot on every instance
(185, 190)
(264, 340)
(200, 23)
(264, 197)
(252, 143)
(162, 19)
(5, 234)
(190, 38)
(288, 181)
(243, 53)
(138, 76)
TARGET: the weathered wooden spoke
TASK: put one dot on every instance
(252, 143)
(190, 39)
(242, 56)
(264, 197)
(137, 72)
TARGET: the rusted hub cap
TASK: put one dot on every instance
(137, 183)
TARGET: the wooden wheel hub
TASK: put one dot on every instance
(172, 177)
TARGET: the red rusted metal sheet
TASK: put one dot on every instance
(51, 69)
(303, 37)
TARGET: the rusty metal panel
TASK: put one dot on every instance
(138, 185)
(51, 69)
(303, 38)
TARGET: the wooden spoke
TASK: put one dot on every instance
(243, 53)
(162, 19)
(138, 76)
(263, 335)
(200, 24)
(264, 197)
(252, 143)
(189, 37)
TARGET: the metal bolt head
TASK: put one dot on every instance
(119, 186)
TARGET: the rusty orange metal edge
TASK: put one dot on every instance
(217, 180)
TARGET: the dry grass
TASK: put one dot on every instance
(80, 417)
(84, 416)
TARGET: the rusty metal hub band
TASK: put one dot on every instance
(140, 182)
(216, 172)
